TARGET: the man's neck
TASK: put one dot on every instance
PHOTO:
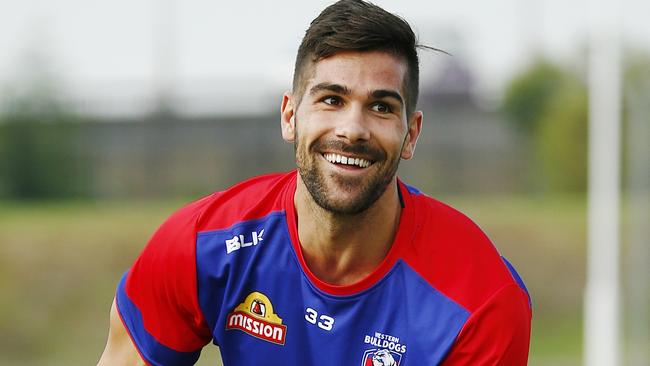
(343, 249)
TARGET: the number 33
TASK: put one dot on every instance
(324, 322)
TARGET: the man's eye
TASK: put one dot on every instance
(331, 101)
(381, 108)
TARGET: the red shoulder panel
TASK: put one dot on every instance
(454, 255)
(162, 283)
(498, 333)
(250, 199)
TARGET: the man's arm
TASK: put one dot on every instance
(156, 318)
(119, 347)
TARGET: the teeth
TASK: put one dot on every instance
(340, 159)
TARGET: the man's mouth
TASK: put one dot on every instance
(347, 160)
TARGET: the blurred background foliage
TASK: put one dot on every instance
(80, 195)
(40, 153)
(548, 105)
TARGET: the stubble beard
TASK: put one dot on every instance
(368, 189)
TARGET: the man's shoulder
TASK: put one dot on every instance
(445, 230)
(453, 254)
(249, 199)
(439, 218)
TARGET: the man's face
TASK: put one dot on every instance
(351, 129)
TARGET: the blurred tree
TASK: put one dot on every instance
(528, 95)
(561, 139)
(636, 93)
(637, 71)
(39, 136)
(39, 155)
(548, 104)
(636, 215)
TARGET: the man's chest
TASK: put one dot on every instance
(270, 312)
(262, 308)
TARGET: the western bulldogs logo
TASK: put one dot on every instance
(388, 350)
(381, 357)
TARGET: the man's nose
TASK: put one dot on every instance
(353, 126)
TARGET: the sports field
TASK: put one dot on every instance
(59, 263)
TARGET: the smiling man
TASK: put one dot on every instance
(339, 262)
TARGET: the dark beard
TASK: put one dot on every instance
(314, 179)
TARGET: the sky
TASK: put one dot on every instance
(216, 56)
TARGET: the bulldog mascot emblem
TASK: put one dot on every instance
(381, 357)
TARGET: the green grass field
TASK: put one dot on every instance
(59, 264)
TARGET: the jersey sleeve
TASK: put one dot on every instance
(497, 333)
(157, 298)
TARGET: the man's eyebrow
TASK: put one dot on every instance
(335, 88)
(383, 93)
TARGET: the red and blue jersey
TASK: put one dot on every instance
(229, 269)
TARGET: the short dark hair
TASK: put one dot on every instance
(356, 25)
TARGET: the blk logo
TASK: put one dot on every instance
(239, 241)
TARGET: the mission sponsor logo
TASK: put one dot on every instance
(388, 350)
(255, 316)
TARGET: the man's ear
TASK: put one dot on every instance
(287, 117)
(414, 129)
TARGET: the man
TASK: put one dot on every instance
(339, 263)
